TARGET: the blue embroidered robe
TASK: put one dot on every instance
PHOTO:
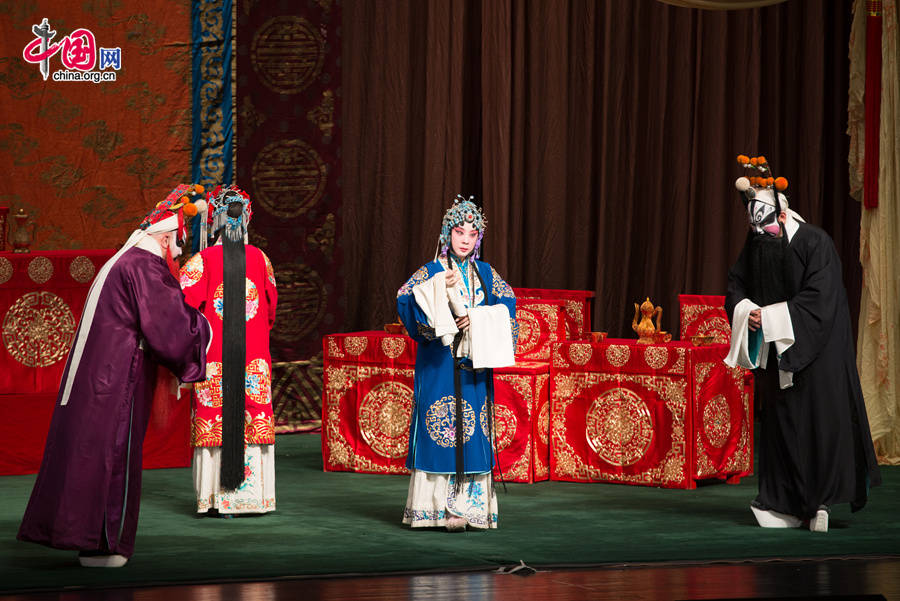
(432, 435)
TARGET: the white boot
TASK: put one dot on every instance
(102, 561)
(819, 522)
(772, 519)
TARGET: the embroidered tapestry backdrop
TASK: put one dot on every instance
(288, 159)
(87, 160)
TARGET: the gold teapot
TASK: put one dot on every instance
(647, 331)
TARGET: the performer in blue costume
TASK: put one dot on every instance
(462, 316)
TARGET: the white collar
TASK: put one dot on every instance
(150, 244)
(791, 224)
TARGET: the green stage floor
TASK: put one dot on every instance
(343, 523)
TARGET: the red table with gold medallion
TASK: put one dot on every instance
(704, 315)
(648, 414)
(522, 421)
(541, 323)
(576, 305)
(42, 294)
(367, 402)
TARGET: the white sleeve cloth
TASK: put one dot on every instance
(776, 327)
(431, 296)
(491, 337)
(739, 355)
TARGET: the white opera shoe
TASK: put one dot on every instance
(819, 522)
(772, 519)
(102, 561)
(456, 524)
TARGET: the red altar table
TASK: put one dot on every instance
(541, 323)
(42, 294)
(368, 400)
(522, 422)
(577, 307)
(656, 415)
(704, 315)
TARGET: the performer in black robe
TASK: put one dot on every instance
(790, 320)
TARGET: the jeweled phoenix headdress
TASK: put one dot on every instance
(219, 200)
(463, 210)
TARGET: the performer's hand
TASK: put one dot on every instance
(452, 278)
(755, 321)
(462, 323)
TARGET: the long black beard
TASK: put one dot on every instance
(769, 274)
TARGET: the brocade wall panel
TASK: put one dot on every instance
(87, 160)
(288, 159)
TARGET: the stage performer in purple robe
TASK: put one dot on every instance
(791, 324)
(87, 493)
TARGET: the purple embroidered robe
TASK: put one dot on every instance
(87, 493)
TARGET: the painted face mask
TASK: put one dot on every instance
(763, 214)
(174, 247)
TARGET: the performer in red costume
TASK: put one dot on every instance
(233, 284)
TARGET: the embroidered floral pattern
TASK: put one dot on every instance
(206, 432)
(252, 299)
(258, 382)
(209, 391)
(425, 331)
(191, 272)
(416, 515)
(500, 288)
(259, 428)
(440, 421)
(270, 273)
(417, 278)
(250, 497)
(471, 503)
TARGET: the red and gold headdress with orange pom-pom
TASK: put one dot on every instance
(168, 214)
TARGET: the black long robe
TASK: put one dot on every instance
(815, 447)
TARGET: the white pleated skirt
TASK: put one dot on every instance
(255, 495)
(432, 500)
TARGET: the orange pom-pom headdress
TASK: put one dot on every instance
(759, 177)
(168, 214)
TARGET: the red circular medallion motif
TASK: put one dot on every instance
(619, 427)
